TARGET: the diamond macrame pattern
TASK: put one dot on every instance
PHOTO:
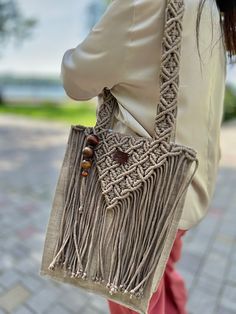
(145, 155)
(120, 174)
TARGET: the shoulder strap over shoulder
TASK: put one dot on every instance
(164, 127)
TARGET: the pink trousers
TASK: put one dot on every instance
(171, 295)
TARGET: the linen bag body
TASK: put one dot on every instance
(111, 233)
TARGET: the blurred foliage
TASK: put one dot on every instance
(84, 113)
(94, 11)
(12, 23)
(230, 103)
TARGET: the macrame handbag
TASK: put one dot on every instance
(119, 197)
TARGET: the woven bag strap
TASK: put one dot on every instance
(164, 126)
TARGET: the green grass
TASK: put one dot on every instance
(74, 113)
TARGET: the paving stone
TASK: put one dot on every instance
(27, 266)
(22, 310)
(7, 261)
(215, 266)
(20, 251)
(207, 226)
(233, 256)
(224, 310)
(222, 244)
(231, 275)
(209, 253)
(228, 228)
(58, 309)
(197, 247)
(14, 297)
(201, 302)
(32, 282)
(228, 298)
(99, 303)
(75, 299)
(43, 299)
(90, 310)
(189, 262)
(27, 232)
(9, 278)
(9, 242)
(210, 285)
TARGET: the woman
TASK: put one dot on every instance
(122, 52)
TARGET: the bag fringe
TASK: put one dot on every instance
(127, 248)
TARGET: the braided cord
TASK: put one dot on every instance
(164, 126)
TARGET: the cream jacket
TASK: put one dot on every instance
(122, 52)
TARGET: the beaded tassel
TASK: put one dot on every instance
(92, 141)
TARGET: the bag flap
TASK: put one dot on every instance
(124, 162)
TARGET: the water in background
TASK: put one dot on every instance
(33, 93)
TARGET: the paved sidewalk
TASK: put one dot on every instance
(31, 152)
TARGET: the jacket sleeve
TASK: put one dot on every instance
(99, 60)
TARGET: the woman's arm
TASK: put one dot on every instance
(99, 61)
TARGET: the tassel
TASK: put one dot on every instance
(82, 191)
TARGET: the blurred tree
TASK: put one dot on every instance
(13, 25)
(94, 10)
(12, 22)
(230, 103)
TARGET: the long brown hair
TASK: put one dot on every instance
(227, 12)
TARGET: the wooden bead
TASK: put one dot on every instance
(86, 164)
(84, 173)
(88, 152)
(92, 139)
